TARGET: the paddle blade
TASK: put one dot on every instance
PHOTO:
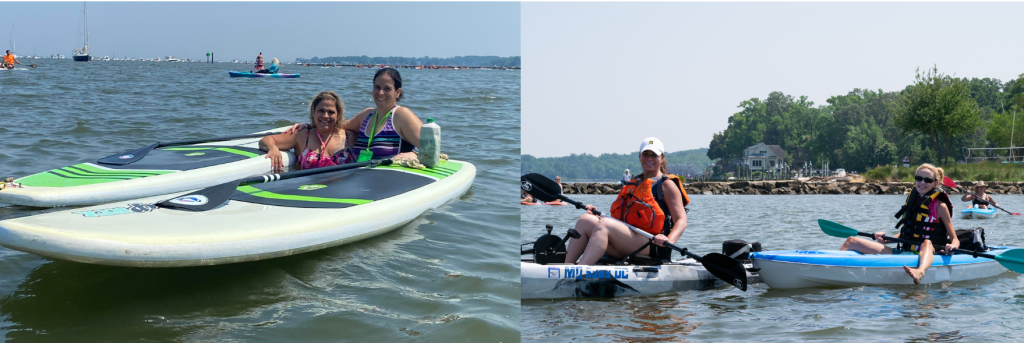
(946, 181)
(540, 187)
(1012, 260)
(834, 229)
(202, 200)
(128, 157)
(727, 269)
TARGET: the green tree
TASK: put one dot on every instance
(939, 107)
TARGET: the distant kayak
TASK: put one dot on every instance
(281, 76)
(978, 213)
(527, 203)
(556, 203)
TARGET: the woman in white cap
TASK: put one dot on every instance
(979, 199)
(646, 202)
(625, 177)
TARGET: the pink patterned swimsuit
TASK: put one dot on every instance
(310, 159)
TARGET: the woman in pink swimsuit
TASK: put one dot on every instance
(323, 145)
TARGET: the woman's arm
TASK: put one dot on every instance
(674, 199)
(273, 146)
(954, 242)
(352, 124)
(967, 197)
(408, 125)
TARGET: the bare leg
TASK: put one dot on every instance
(585, 226)
(865, 246)
(923, 262)
(613, 238)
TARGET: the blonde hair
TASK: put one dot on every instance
(936, 171)
(338, 106)
(274, 61)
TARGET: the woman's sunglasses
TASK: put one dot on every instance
(925, 179)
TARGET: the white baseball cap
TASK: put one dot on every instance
(652, 144)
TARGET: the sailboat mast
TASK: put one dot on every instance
(86, 10)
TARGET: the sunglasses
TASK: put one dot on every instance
(925, 179)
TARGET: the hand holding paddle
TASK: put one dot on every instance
(1011, 259)
(946, 181)
(723, 267)
(133, 156)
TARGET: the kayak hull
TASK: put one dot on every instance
(127, 183)
(572, 281)
(527, 203)
(807, 268)
(272, 76)
(135, 233)
(977, 213)
(556, 203)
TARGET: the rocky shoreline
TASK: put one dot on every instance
(793, 187)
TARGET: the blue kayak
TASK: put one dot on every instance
(244, 74)
(813, 268)
(977, 213)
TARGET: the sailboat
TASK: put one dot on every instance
(82, 55)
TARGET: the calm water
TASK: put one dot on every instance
(448, 276)
(985, 310)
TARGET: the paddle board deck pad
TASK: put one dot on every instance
(165, 170)
(812, 268)
(273, 76)
(560, 280)
(261, 221)
(977, 213)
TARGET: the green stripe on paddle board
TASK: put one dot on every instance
(230, 150)
(270, 195)
(442, 170)
(84, 174)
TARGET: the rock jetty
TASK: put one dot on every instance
(793, 187)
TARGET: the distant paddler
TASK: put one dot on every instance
(274, 66)
(10, 61)
(259, 62)
(979, 199)
(654, 202)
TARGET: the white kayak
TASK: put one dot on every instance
(978, 213)
(560, 280)
(811, 268)
(260, 221)
(163, 171)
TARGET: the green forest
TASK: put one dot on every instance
(607, 166)
(468, 61)
(929, 121)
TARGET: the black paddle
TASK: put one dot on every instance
(132, 156)
(723, 267)
(1011, 259)
(211, 197)
(946, 181)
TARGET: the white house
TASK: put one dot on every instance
(763, 157)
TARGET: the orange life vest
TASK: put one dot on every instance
(9, 59)
(638, 204)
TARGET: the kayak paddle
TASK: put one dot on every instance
(723, 267)
(946, 181)
(1011, 259)
(211, 197)
(132, 156)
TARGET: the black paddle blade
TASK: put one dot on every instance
(202, 200)
(129, 156)
(727, 269)
(539, 186)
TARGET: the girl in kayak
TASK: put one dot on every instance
(924, 218)
(979, 199)
(330, 146)
(387, 131)
(646, 202)
(274, 66)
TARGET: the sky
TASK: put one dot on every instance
(286, 30)
(600, 77)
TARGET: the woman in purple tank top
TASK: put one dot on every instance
(324, 144)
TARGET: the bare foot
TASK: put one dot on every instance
(913, 274)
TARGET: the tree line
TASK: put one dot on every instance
(928, 121)
(608, 166)
(468, 61)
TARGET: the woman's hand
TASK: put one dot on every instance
(406, 156)
(948, 249)
(659, 240)
(275, 159)
(878, 237)
(296, 128)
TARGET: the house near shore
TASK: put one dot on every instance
(762, 157)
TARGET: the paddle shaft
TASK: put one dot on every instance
(631, 227)
(907, 241)
(307, 172)
(985, 201)
(215, 139)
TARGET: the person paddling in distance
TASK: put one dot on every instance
(259, 62)
(9, 60)
(330, 146)
(274, 66)
(387, 131)
(647, 202)
(924, 218)
(979, 199)
(625, 177)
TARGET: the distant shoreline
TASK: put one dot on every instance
(790, 187)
